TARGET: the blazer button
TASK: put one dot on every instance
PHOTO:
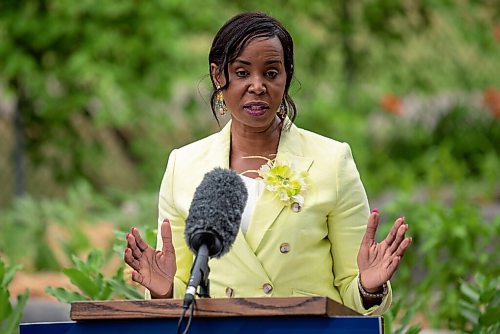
(296, 207)
(268, 288)
(284, 247)
(229, 292)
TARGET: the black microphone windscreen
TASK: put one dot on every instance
(216, 209)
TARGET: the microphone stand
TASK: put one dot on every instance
(204, 291)
(199, 278)
(204, 285)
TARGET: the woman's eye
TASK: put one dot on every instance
(241, 73)
(271, 74)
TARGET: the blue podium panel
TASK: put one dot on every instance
(236, 325)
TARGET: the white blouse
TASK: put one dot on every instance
(255, 187)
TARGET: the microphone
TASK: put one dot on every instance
(212, 224)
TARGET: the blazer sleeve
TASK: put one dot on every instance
(346, 227)
(167, 209)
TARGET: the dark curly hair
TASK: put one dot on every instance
(235, 34)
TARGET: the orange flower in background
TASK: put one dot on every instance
(491, 98)
(392, 104)
(496, 32)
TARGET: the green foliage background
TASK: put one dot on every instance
(105, 89)
(102, 83)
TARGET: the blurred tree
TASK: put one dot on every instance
(91, 78)
(73, 66)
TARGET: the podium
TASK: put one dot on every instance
(291, 315)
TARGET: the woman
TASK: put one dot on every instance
(313, 242)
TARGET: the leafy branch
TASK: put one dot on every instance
(10, 315)
(92, 285)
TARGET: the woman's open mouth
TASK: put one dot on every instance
(256, 108)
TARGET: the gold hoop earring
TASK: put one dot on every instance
(220, 104)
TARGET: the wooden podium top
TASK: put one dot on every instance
(210, 307)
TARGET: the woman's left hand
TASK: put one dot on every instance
(377, 262)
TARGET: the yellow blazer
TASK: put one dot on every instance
(323, 238)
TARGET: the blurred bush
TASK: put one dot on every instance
(46, 234)
(480, 305)
(107, 90)
(451, 243)
(92, 283)
(10, 315)
(434, 142)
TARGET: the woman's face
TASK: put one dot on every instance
(257, 81)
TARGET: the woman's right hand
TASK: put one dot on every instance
(153, 269)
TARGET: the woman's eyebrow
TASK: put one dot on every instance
(267, 62)
(273, 61)
(244, 62)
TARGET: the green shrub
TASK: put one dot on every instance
(455, 146)
(26, 223)
(450, 244)
(479, 305)
(92, 284)
(10, 315)
(397, 320)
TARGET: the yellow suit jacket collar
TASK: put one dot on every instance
(268, 207)
(289, 146)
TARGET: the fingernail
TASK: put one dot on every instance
(126, 236)
(375, 210)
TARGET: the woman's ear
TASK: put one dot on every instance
(218, 78)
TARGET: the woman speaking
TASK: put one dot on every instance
(306, 229)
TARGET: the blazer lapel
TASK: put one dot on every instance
(218, 155)
(241, 249)
(268, 206)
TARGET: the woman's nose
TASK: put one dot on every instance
(257, 85)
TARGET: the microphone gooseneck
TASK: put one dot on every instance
(199, 276)
(212, 224)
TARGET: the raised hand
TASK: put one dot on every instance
(153, 269)
(377, 262)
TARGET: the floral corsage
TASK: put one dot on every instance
(285, 181)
